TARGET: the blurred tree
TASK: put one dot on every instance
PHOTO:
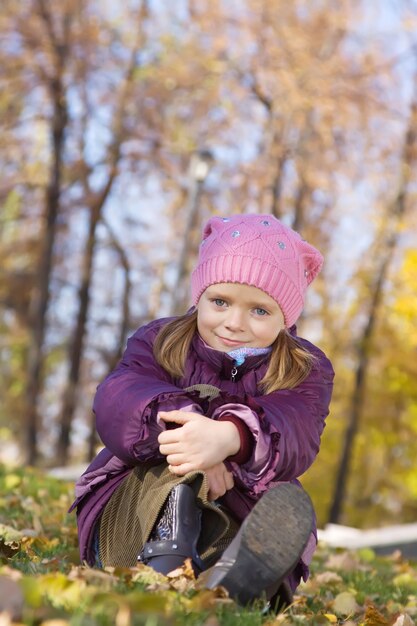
(56, 40)
(95, 200)
(385, 248)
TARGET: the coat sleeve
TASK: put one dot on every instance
(128, 400)
(287, 426)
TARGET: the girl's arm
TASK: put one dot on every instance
(286, 426)
(128, 400)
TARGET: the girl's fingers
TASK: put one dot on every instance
(175, 460)
(179, 417)
(168, 436)
(230, 483)
(169, 448)
(180, 470)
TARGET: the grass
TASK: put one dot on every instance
(42, 582)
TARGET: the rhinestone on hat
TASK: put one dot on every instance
(306, 273)
(225, 219)
(236, 233)
(265, 223)
(281, 245)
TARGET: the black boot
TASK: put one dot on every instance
(267, 547)
(175, 535)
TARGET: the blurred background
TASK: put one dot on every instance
(125, 125)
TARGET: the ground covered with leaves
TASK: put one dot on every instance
(42, 581)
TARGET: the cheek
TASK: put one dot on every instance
(269, 332)
(204, 319)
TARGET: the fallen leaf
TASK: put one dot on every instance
(404, 620)
(10, 534)
(8, 549)
(373, 617)
(345, 603)
(212, 621)
(332, 618)
(282, 620)
(175, 573)
(185, 570)
(11, 481)
(203, 600)
(405, 580)
(188, 569)
(328, 578)
(11, 598)
(344, 561)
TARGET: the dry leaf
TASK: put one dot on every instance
(344, 561)
(176, 573)
(11, 597)
(328, 578)
(282, 620)
(345, 604)
(373, 617)
(212, 621)
(404, 620)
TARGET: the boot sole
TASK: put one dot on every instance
(272, 540)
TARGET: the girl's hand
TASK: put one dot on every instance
(220, 480)
(199, 444)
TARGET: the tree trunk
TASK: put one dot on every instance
(395, 216)
(179, 294)
(124, 326)
(40, 298)
(77, 341)
(96, 207)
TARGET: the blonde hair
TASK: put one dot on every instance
(289, 362)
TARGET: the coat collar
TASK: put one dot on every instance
(221, 360)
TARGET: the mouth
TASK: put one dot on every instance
(234, 343)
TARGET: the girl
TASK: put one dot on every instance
(210, 418)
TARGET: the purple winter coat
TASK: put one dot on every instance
(286, 425)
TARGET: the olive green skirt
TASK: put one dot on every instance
(132, 511)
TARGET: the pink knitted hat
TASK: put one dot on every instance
(257, 250)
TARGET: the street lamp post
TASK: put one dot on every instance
(199, 168)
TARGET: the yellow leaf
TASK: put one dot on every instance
(345, 603)
(332, 618)
(405, 580)
(11, 481)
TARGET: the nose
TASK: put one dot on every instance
(235, 319)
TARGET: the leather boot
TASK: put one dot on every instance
(175, 535)
(267, 547)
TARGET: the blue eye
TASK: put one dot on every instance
(261, 312)
(219, 302)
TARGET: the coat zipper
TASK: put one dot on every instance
(233, 373)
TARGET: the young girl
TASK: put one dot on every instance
(210, 418)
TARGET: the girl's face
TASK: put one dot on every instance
(231, 315)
